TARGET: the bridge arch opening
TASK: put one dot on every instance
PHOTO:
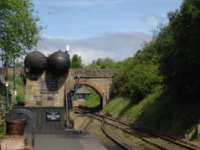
(96, 89)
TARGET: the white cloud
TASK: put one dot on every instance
(113, 45)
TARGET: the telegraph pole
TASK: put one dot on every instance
(6, 83)
(14, 82)
(67, 100)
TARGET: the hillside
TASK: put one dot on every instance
(159, 86)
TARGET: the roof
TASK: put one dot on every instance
(83, 90)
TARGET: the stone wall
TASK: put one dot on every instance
(98, 73)
(101, 79)
(35, 95)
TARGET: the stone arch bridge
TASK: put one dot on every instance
(98, 79)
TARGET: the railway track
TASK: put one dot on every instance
(123, 146)
(160, 141)
(170, 139)
(104, 130)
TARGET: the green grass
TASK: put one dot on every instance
(20, 89)
(91, 103)
(2, 132)
(117, 106)
(123, 107)
(19, 86)
(160, 112)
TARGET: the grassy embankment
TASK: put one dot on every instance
(159, 112)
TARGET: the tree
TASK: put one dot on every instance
(19, 30)
(76, 61)
(180, 63)
(103, 63)
(138, 76)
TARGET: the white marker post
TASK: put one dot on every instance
(67, 47)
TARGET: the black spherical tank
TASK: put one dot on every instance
(35, 62)
(58, 63)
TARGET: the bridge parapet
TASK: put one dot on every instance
(94, 73)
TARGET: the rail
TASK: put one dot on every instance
(172, 140)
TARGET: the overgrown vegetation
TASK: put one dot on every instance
(160, 85)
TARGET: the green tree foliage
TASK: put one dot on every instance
(139, 75)
(76, 61)
(175, 49)
(148, 54)
(18, 27)
(103, 63)
(180, 63)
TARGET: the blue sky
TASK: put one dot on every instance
(87, 25)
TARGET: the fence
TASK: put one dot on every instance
(44, 119)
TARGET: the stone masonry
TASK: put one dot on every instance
(99, 79)
(34, 96)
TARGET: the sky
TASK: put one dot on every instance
(100, 28)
